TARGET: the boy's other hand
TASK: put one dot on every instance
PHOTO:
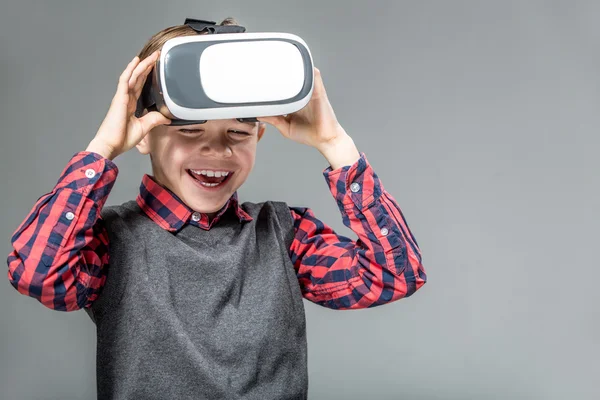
(315, 125)
(121, 130)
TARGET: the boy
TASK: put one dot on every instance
(193, 294)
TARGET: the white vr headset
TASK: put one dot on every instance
(230, 75)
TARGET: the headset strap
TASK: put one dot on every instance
(200, 25)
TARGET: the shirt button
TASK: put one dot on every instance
(196, 217)
(70, 215)
(90, 173)
(384, 231)
(355, 187)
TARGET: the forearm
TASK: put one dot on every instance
(383, 265)
(60, 248)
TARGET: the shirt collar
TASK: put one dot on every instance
(169, 212)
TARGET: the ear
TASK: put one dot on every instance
(144, 145)
(261, 129)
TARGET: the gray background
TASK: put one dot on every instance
(480, 117)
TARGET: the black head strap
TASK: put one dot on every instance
(200, 25)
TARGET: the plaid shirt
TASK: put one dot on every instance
(60, 251)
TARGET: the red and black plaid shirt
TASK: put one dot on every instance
(60, 251)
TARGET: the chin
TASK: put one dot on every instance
(206, 207)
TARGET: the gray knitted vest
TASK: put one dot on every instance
(199, 314)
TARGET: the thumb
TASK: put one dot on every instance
(153, 119)
(280, 122)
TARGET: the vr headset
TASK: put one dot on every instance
(228, 73)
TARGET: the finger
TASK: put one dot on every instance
(141, 79)
(143, 68)
(139, 83)
(123, 86)
(141, 71)
(153, 119)
(144, 64)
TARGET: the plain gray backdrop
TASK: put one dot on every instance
(480, 117)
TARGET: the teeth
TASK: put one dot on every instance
(216, 174)
(210, 184)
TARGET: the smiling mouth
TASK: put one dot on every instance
(209, 181)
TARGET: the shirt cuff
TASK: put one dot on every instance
(354, 185)
(90, 174)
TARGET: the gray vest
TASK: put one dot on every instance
(199, 314)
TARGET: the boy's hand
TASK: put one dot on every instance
(316, 125)
(121, 130)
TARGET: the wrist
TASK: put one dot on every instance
(102, 149)
(340, 151)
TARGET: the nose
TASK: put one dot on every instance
(216, 147)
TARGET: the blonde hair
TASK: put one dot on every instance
(158, 40)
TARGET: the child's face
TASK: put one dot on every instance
(185, 157)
